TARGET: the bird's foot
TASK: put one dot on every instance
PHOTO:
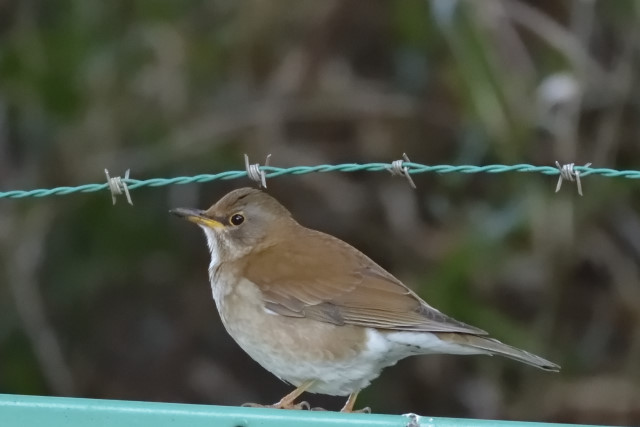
(351, 401)
(280, 405)
(365, 410)
(288, 402)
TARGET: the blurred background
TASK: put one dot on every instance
(114, 302)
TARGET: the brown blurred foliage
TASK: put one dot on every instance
(113, 301)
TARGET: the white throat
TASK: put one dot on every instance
(217, 289)
(214, 249)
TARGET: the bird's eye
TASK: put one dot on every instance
(236, 219)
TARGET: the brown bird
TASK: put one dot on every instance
(315, 311)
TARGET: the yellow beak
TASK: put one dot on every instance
(197, 216)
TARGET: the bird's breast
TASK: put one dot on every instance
(297, 349)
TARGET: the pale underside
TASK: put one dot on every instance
(342, 359)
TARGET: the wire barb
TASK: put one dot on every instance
(254, 173)
(568, 172)
(117, 186)
(399, 169)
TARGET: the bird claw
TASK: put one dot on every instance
(365, 410)
(289, 405)
(304, 406)
(253, 405)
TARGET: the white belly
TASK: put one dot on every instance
(340, 359)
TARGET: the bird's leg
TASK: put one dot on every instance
(351, 401)
(287, 402)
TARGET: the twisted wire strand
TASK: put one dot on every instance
(273, 171)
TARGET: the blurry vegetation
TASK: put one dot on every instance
(113, 301)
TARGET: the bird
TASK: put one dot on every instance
(315, 311)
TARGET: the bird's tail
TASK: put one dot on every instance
(493, 346)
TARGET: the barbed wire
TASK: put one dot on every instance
(273, 172)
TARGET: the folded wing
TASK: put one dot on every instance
(326, 279)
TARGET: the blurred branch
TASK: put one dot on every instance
(477, 67)
(619, 84)
(558, 37)
(23, 256)
(212, 129)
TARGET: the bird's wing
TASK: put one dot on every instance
(328, 280)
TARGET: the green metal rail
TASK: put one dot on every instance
(32, 411)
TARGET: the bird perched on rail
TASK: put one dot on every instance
(315, 311)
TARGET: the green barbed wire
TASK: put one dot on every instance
(272, 172)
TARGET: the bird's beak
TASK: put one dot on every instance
(197, 216)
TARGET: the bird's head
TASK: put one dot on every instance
(241, 221)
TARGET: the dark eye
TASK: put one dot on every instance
(236, 219)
